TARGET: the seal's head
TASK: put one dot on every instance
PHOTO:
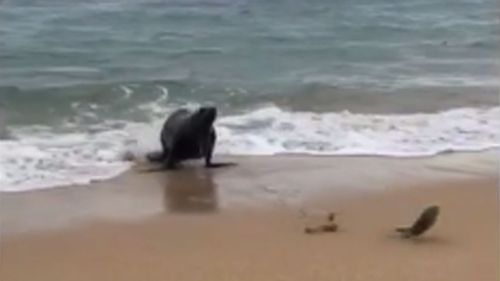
(204, 117)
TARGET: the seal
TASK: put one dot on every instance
(187, 135)
(425, 221)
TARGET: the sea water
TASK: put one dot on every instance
(83, 83)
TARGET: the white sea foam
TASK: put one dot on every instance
(42, 160)
(128, 91)
(38, 157)
(271, 130)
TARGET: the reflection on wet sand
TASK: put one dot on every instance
(190, 191)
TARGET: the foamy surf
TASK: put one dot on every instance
(46, 160)
(272, 130)
(39, 157)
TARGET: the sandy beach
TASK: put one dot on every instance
(247, 222)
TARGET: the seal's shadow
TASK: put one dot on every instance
(190, 190)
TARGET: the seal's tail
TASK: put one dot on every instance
(156, 156)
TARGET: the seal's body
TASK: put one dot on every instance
(187, 135)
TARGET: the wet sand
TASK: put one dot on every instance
(247, 222)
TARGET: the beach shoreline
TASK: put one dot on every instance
(247, 222)
(345, 120)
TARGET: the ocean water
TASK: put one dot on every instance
(83, 83)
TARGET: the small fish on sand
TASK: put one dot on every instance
(425, 221)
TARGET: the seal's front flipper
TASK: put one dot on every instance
(170, 164)
(221, 165)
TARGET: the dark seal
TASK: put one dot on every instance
(425, 221)
(187, 135)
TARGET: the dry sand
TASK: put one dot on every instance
(247, 222)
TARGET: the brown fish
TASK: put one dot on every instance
(424, 222)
